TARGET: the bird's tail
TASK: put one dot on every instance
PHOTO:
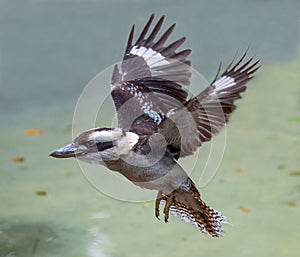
(189, 207)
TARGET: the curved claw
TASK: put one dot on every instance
(169, 202)
(157, 203)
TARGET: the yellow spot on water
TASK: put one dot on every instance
(146, 203)
(41, 193)
(245, 210)
(295, 173)
(291, 203)
(31, 132)
(240, 170)
(18, 159)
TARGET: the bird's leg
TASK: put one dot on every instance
(169, 202)
(157, 202)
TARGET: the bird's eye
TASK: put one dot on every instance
(90, 143)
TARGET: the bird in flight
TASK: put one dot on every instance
(158, 122)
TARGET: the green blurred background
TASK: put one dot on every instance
(49, 51)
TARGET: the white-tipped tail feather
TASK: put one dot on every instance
(211, 224)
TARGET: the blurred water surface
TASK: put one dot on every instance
(49, 51)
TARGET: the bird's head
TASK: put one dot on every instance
(98, 144)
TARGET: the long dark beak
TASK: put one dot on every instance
(66, 151)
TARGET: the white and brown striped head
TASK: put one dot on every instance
(98, 144)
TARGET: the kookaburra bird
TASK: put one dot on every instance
(157, 124)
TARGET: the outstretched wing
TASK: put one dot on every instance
(207, 113)
(152, 74)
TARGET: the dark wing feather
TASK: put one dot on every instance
(207, 113)
(151, 74)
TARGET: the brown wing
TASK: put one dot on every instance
(151, 75)
(206, 114)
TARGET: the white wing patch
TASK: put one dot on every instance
(224, 82)
(152, 58)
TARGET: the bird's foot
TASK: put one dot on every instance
(169, 200)
(159, 197)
